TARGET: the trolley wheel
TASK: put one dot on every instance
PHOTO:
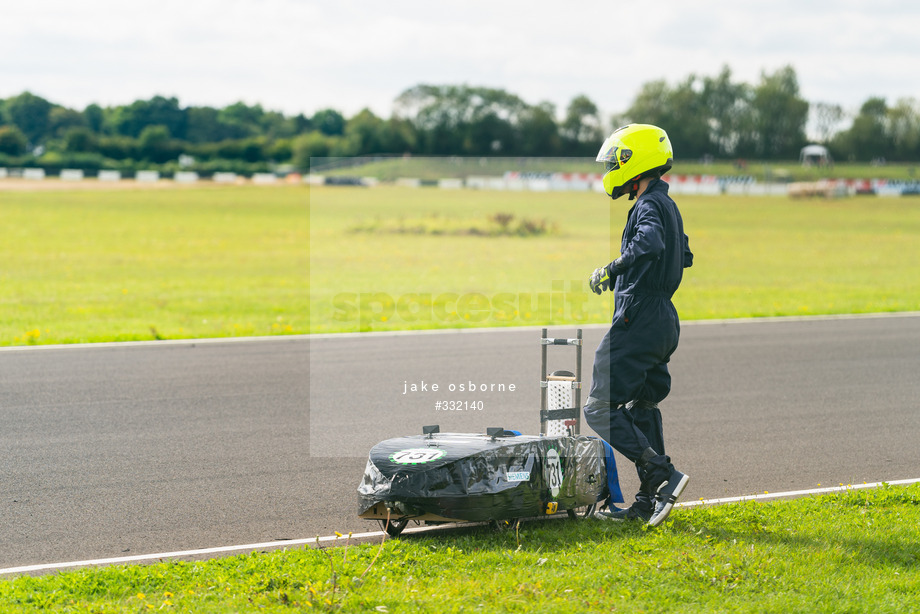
(394, 527)
(508, 524)
(582, 512)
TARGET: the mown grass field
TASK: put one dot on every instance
(432, 168)
(855, 551)
(141, 264)
(754, 257)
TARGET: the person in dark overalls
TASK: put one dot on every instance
(631, 363)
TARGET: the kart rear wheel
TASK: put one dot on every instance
(582, 512)
(394, 527)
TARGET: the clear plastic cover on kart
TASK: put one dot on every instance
(498, 476)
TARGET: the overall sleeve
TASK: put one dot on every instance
(647, 242)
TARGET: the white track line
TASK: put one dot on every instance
(606, 325)
(446, 331)
(793, 493)
(182, 553)
(335, 538)
(127, 344)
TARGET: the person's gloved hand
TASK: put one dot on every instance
(600, 280)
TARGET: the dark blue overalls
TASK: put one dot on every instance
(631, 362)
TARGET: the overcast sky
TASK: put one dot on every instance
(304, 55)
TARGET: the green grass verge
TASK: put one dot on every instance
(432, 168)
(119, 265)
(754, 257)
(141, 264)
(855, 551)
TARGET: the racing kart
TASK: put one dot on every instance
(500, 476)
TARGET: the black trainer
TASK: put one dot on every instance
(667, 495)
(625, 514)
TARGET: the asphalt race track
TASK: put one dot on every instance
(115, 451)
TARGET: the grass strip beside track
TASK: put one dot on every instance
(433, 168)
(94, 265)
(754, 257)
(857, 550)
(143, 264)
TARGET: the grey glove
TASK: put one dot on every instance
(600, 280)
(605, 277)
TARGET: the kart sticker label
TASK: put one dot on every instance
(519, 476)
(552, 472)
(416, 456)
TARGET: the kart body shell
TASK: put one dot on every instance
(463, 477)
(500, 476)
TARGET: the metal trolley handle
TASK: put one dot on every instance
(561, 414)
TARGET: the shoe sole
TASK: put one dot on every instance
(661, 516)
(606, 518)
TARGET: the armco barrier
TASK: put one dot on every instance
(896, 188)
(71, 174)
(224, 178)
(485, 183)
(344, 180)
(707, 185)
(264, 178)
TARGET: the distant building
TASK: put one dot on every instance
(815, 155)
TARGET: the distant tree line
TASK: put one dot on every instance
(716, 116)
(705, 116)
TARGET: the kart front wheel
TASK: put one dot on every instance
(582, 512)
(394, 527)
(508, 524)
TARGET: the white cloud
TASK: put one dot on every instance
(300, 56)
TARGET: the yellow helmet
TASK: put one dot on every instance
(632, 152)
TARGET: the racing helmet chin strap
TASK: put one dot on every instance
(634, 182)
(634, 187)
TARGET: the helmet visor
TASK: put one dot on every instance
(613, 154)
(608, 149)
